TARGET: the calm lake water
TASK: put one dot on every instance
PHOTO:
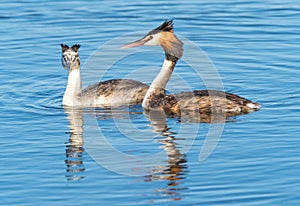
(56, 156)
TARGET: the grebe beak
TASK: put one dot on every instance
(68, 65)
(139, 42)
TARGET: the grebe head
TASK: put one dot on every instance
(163, 36)
(70, 57)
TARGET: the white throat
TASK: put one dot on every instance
(160, 81)
(71, 96)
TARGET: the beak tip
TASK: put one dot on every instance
(126, 46)
(123, 47)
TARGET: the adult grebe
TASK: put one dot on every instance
(200, 101)
(115, 92)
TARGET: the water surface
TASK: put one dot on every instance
(254, 45)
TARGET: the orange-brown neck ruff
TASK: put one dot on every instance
(171, 45)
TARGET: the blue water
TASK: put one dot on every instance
(51, 155)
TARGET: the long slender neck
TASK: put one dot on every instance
(157, 88)
(71, 96)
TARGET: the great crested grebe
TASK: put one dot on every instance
(115, 92)
(200, 101)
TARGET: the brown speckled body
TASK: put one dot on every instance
(115, 91)
(203, 102)
(197, 102)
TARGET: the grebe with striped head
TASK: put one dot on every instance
(200, 101)
(110, 93)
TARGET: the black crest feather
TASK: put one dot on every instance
(166, 26)
(75, 47)
(64, 47)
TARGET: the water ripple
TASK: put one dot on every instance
(253, 44)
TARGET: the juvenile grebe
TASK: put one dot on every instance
(200, 101)
(115, 92)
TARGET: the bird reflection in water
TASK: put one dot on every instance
(175, 169)
(74, 148)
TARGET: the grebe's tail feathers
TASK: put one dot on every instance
(253, 106)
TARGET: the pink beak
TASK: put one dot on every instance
(140, 42)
